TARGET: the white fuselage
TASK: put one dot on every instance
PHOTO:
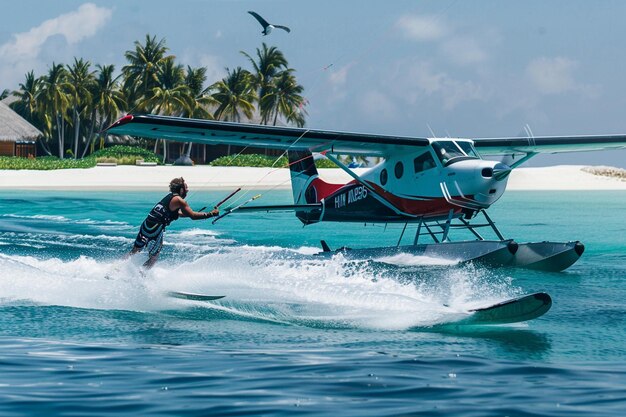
(448, 169)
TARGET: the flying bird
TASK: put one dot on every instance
(267, 27)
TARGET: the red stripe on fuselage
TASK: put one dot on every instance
(425, 206)
(325, 189)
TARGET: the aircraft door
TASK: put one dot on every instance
(423, 164)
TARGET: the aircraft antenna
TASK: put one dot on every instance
(431, 131)
(530, 134)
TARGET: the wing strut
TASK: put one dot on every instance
(524, 159)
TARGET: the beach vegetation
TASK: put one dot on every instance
(45, 163)
(119, 154)
(126, 155)
(262, 161)
(72, 104)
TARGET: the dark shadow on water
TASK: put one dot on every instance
(515, 342)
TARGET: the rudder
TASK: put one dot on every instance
(303, 173)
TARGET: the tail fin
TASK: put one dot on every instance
(303, 173)
(306, 184)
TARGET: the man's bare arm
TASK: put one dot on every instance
(186, 211)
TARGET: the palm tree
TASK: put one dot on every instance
(30, 109)
(284, 99)
(26, 104)
(201, 99)
(141, 74)
(82, 80)
(171, 96)
(107, 102)
(234, 94)
(270, 63)
(5, 93)
(55, 96)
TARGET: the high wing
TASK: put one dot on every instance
(212, 132)
(547, 144)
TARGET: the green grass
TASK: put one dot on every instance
(127, 153)
(45, 163)
(122, 155)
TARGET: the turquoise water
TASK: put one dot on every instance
(83, 333)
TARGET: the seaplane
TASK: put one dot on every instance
(439, 186)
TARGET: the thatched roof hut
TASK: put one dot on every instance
(14, 127)
(15, 133)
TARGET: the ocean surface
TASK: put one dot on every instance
(84, 333)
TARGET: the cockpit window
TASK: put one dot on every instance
(468, 149)
(423, 162)
(447, 151)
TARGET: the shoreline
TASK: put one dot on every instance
(203, 177)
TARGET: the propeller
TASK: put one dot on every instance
(501, 171)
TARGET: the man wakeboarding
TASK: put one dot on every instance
(162, 214)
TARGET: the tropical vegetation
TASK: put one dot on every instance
(71, 104)
(257, 160)
(121, 155)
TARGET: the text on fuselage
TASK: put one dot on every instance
(355, 194)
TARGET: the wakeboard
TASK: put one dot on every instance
(515, 310)
(193, 297)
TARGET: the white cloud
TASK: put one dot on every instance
(422, 80)
(215, 69)
(73, 26)
(339, 77)
(378, 106)
(552, 75)
(215, 66)
(421, 28)
(23, 52)
(338, 80)
(464, 51)
(457, 48)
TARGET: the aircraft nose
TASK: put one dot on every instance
(501, 171)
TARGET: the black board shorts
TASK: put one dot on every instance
(150, 234)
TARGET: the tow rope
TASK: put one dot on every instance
(231, 209)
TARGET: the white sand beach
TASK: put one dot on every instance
(562, 177)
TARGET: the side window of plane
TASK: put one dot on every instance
(383, 177)
(399, 169)
(423, 162)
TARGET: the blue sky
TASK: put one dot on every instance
(471, 69)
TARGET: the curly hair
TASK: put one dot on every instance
(176, 184)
